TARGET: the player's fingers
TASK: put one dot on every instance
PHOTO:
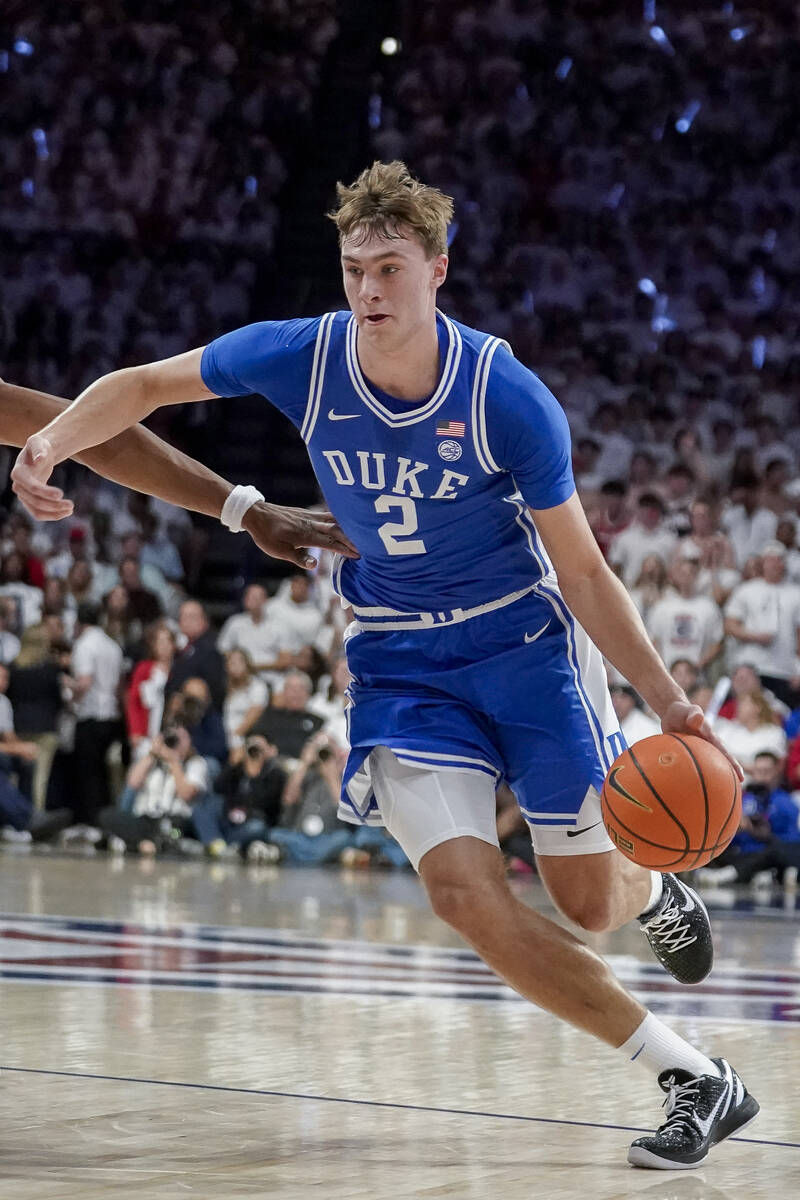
(47, 508)
(23, 477)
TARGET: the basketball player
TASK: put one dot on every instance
(140, 460)
(478, 589)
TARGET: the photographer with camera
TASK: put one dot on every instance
(310, 831)
(246, 805)
(157, 804)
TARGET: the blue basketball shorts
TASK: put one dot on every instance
(517, 693)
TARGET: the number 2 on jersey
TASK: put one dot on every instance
(391, 532)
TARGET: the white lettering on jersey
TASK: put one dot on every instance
(404, 475)
(337, 461)
(380, 470)
(445, 490)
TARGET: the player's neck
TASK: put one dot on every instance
(409, 371)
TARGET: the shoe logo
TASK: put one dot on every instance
(531, 637)
(578, 832)
(705, 1125)
(690, 905)
(334, 416)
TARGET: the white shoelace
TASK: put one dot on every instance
(680, 1104)
(670, 928)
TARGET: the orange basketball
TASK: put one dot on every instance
(671, 802)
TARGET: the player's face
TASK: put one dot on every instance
(391, 286)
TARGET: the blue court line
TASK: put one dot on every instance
(429, 1108)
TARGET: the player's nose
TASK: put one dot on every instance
(370, 288)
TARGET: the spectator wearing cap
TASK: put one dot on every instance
(762, 619)
(684, 624)
(747, 524)
(633, 723)
(647, 535)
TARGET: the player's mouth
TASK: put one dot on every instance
(377, 318)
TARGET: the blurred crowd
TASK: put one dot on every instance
(140, 165)
(627, 188)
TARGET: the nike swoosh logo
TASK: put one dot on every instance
(578, 832)
(613, 782)
(690, 905)
(705, 1125)
(334, 416)
(531, 637)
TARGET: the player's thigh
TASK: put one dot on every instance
(424, 808)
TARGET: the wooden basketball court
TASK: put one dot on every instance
(181, 1029)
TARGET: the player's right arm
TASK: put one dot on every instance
(108, 406)
(137, 459)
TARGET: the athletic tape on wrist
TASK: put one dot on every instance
(242, 498)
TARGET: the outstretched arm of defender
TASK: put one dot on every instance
(138, 459)
(110, 405)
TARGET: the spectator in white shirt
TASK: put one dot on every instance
(748, 525)
(9, 642)
(762, 618)
(25, 601)
(296, 614)
(96, 673)
(753, 732)
(633, 723)
(684, 624)
(646, 536)
(252, 631)
(245, 698)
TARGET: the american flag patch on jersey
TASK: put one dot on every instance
(450, 428)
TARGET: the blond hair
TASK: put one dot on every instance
(388, 201)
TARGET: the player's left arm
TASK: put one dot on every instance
(138, 459)
(605, 610)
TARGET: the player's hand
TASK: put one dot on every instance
(288, 532)
(31, 471)
(683, 717)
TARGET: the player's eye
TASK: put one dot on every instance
(354, 271)
(389, 270)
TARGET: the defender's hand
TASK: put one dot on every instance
(288, 532)
(683, 717)
(30, 474)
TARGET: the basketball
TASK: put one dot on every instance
(671, 802)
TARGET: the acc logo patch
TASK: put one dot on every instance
(449, 450)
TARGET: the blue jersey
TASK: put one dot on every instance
(434, 494)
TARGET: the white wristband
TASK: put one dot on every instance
(242, 498)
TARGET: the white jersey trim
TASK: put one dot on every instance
(480, 384)
(397, 420)
(317, 376)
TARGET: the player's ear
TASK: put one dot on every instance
(440, 264)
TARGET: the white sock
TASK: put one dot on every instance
(656, 892)
(657, 1048)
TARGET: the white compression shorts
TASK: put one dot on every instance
(422, 808)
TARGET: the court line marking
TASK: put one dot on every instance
(424, 1108)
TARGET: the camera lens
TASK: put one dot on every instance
(253, 750)
(171, 740)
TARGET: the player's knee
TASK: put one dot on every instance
(463, 906)
(592, 913)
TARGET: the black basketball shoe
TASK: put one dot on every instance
(679, 932)
(701, 1111)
